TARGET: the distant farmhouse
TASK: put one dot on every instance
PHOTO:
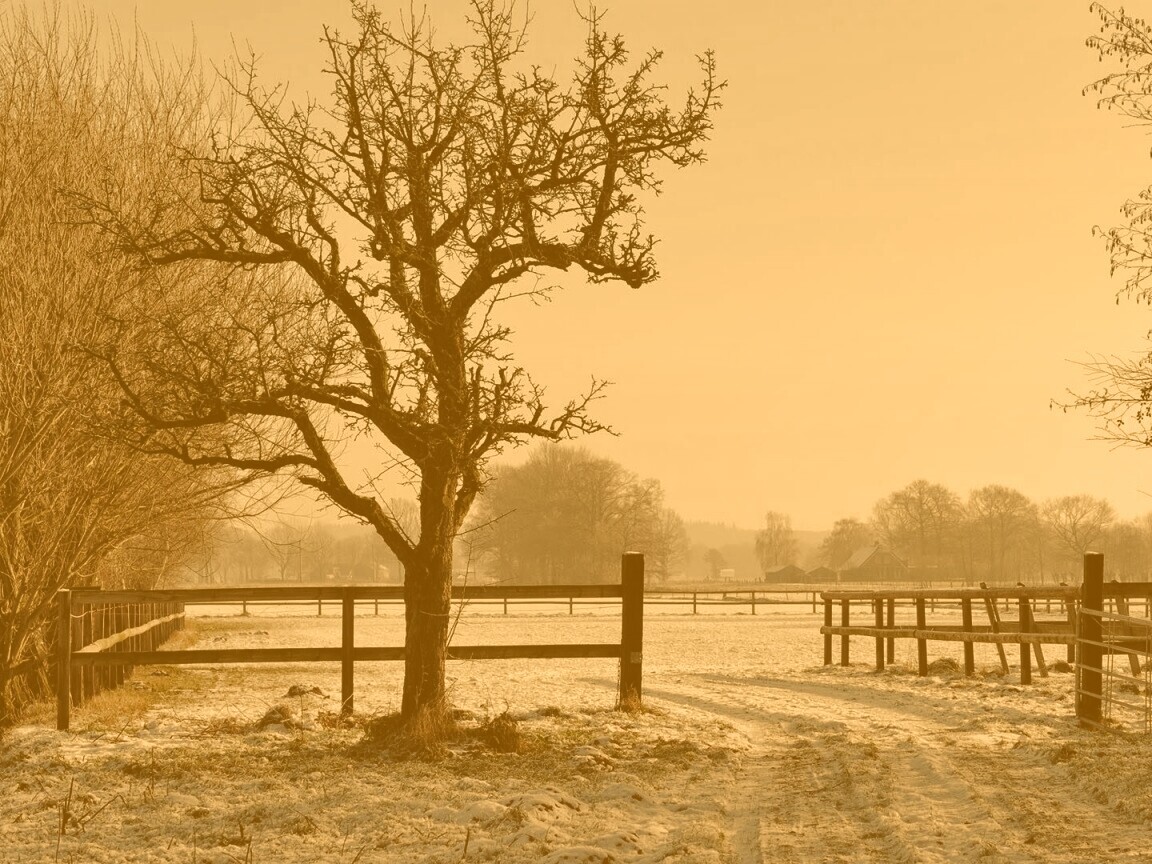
(785, 573)
(873, 564)
(821, 574)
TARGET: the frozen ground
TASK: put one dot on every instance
(753, 752)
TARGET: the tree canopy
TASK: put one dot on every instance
(566, 516)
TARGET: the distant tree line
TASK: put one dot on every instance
(996, 533)
(292, 550)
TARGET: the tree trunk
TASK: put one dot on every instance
(427, 604)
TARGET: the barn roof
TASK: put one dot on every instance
(862, 557)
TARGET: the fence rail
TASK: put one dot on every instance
(120, 649)
(1027, 632)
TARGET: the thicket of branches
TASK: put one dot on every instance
(76, 506)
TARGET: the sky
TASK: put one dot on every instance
(884, 272)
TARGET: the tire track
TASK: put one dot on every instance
(836, 772)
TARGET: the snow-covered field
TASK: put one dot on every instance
(751, 752)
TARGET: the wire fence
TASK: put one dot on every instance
(1122, 680)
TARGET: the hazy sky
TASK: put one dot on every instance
(884, 272)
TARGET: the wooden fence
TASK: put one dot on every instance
(1097, 621)
(96, 655)
(1027, 631)
(91, 622)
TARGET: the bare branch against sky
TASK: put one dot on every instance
(884, 272)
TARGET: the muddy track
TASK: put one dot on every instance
(840, 773)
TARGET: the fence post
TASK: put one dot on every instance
(891, 651)
(1025, 647)
(753, 602)
(63, 658)
(921, 644)
(693, 602)
(827, 636)
(347, 642)
(969, 648)
(631, 630)
(878, 606)
(1071, 615)
(845, 607)
(1090, 644)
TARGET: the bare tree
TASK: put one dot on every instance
(847, 536)
(1000, 520)
(369, 245)
(775, 542)
(918, 522)
(1128, 549)
(716, 562)
(1077, 522)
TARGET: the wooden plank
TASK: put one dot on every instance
(994, 622)
(891, 622)
(63, 659)
(845, 606)
(826, 630)
(631, 630)
(347, 650)
(124, 635)
(533, 652)
(1122, 609)
(86, 676)
(921, 642)
(1030, 627)
(1126, 589)
(76, 677)
(1090, 655)
(1025, 648)
(1035, 592)
(1005, 638)
(954, 636)
(336, 593)
(867, 630)
(335, 655)
(969, 647)
(878, 611)
(216, 655)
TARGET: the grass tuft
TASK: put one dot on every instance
(422, 737)
(502, 734)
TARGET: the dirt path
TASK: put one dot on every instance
(841, 772)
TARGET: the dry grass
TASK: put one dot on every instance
(502, 734)
(424, 736)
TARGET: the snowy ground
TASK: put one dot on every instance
(752, 752)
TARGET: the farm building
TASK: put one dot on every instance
(784, 573)
(821, 574)
(874, 564)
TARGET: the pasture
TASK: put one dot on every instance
(750, 750)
